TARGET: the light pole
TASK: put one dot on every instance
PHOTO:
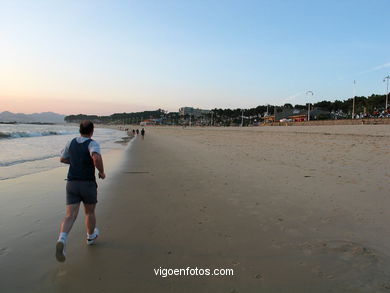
(353, 101)
(387, 90)
(308, 105)
(275, 113)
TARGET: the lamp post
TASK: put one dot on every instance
(387, 90)
(308, 105)
(353, 100)
(275, 113)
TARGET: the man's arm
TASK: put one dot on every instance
(65, 160)
(98, 161)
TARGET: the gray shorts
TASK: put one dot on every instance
(77, 191)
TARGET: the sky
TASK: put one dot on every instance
(104, 57)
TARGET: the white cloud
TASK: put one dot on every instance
(376, 68)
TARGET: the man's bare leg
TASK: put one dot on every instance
(72, 211)
(90, 223)
(90, 218)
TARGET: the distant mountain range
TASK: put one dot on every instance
(46, 117)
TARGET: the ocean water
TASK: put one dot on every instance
(29, 148)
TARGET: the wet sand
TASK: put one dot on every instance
(290, 209)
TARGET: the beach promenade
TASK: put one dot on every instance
(289, 209)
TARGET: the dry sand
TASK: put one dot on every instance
(290, 209)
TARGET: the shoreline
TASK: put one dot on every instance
(43, 158)
(30, 219)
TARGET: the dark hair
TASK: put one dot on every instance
(86, 127)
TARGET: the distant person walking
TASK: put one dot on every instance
(137, 131)
(133, 132)
(83, 156)
(143, 132)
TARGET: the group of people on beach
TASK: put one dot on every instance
(137, 132)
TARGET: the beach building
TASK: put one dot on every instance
(297, 115)
(150, 122)
(269, 118)
(196, 112)
(294, 115)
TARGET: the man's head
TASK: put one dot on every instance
(86, 128)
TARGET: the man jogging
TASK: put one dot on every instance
(83, 156)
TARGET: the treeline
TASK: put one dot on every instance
(371, 104)
(118, 118)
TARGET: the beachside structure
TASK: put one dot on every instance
(269, 118)
(150, 122)
(193, 111)
(296, 115)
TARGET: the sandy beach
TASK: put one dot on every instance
(289, 209)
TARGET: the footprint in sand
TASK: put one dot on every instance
(61, 273)
(227, 236)
(27, 234)
(3, 250)
(259, 276)
(203, 209)
(348, 262)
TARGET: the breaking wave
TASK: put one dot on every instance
(20, 134)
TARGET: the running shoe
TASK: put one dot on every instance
(60, 251)
(92, 238)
